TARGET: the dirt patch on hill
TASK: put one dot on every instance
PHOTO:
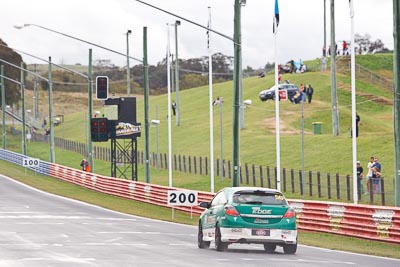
(375, 98)
(270, 126)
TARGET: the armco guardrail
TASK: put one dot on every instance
(363, 221)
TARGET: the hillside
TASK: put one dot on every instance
(322, 152)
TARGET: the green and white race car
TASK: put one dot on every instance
(248, 215)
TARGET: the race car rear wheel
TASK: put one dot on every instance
(219, 245)
(290, 248)
(200, 242)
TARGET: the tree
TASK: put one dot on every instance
(13, 92)
(365, 45)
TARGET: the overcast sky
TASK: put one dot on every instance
(105, 22)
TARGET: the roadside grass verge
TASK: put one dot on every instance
(61, 188)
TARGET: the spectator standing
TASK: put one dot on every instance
(360, 170)
(377, 164)
(173, 106)
(370, 172)
(344, 47)
(376, 181)
(377, 168)
(309, 93)
(84, 164)
(358, 119)
(324, 62)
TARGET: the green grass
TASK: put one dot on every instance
(324, 153)
(61, 188)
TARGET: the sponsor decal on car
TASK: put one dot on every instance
(258, 210)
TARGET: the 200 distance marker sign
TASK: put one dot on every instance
(182, 198)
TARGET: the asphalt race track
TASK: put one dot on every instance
(40, 229)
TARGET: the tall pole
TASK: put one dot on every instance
(169, 113)
(334, 103)
(353, 105)
(3, 108)
(146, 107)
(210, 105)
(178, 110)
(23, 110)
(242, 106)
(51, 124)
(221, 140)
(236, 95)
(128, 71)
(35, 96)
(277, 116)
(157, 159)
(302, 145)
(396, 97)
(90, 111)
(324, 48)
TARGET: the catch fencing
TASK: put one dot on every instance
(362, 221)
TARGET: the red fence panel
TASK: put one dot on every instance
(363, 221)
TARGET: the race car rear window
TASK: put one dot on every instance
(259, 198)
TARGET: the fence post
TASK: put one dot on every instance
(241, 174)
(190, 164)
(253, 169)
(229, 169)
(337, 186)
(217, 172)
(348, 188)
(383, 191)
(268, 177)
(206, 163)
(246, 169)
(201, 165)
(180, 163)
(184, 163)
(319, 184)
(195, 164)
(261, 176)
(292, 179)
(284, 179)
(329, 185)
(310, 182)
(165, 161)
(301, 179)
(175, 163)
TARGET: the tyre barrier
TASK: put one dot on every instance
(371, 222)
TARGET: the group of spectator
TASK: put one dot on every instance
(373, 178)
(305, 91)
(345, 51)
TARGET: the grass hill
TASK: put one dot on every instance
(324, 152)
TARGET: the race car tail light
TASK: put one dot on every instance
(231, 211)
(289, 213)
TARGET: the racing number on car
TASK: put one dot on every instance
(30, 162)
(182, 198)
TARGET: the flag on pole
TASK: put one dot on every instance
(351, 8)
(276, 17)
(208, 27)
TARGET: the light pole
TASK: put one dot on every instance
(237, 78)
(128, 71)
(178, 122)
(146, 84)
(3, 108)
(221, 100)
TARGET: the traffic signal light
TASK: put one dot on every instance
(99, 129)
(102, 87)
